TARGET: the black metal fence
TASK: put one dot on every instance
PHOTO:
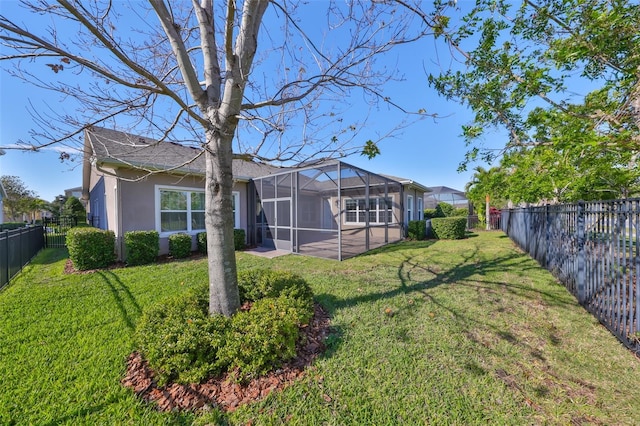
(593, 248)
(17, 248)
(55, 230)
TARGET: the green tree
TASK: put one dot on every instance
(19, 199)
(74, 208)
(197, 68)
(57, 205)
(486, 182)
(523, 66)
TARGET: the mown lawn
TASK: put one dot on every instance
(479, 334)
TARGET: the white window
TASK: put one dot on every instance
(379, 211)
(409, 208)
(182, 209)
(420, 212)
(235, 202)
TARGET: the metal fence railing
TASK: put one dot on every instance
(17, 248)
(593, 248)
(55, 230)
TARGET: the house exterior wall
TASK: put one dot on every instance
(411, 203)
(125, 204)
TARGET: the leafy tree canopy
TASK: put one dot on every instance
(557, 73)
(19, 199)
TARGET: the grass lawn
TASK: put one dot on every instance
(479, 334)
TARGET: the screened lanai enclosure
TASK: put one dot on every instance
(331, 210)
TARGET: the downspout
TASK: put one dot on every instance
(367, 225)
(339, 211)
(118, 219)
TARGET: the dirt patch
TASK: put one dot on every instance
(223, 392)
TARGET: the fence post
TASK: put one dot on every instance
(547, 233)
(581, 276)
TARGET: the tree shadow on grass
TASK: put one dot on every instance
(464, 273)
(122, 297)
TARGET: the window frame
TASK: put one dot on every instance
(361, 213)
(410, 208)
(189, 211)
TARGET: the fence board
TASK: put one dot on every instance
(593, 248)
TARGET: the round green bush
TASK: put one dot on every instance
(444, 209)
(142, 247)
(183, 343)
(180, 245)
(255, 284)
(262, 338)
(91, 248)
(180, 340)
(201, 240)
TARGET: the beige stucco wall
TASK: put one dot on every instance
(131, 204)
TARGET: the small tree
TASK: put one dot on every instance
(73, 208)
(197, 68)
(19, 199)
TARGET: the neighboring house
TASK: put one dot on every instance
(75, 192)
(329, 209)
(445, 194)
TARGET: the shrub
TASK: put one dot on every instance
(417, 229)
(460, 212)
(430, 213)
(444, 209)
(180, 245)
(201, 240)
(8, 226)
(181, 341)
(449, 228)
(142, 247)
(256, 284)
(73, 208)
(91, 248)
(262, 338)
(238, 239)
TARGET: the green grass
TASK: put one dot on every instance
(480, 334)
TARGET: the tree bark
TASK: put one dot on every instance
(223, 283)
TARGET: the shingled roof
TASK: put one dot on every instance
(120, 149)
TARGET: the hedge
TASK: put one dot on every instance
(142, 247)
(239, 239)
(91, 248)
(417, 229)
(449, 228)
(180, 245)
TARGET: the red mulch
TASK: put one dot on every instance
(223, 392)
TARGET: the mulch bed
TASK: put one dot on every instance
(223, 392)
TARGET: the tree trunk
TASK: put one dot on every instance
(223, 282)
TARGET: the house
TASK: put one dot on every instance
(328, 209)
(74, 192)
(445, 194)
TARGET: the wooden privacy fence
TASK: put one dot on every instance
(17, 248)
(593, 248)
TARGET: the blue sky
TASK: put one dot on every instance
(429, 151)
